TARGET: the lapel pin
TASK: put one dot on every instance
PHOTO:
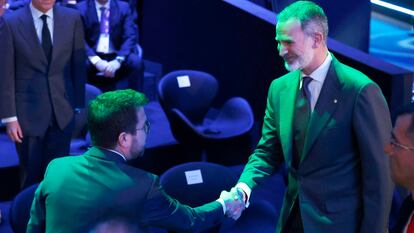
(335, 101)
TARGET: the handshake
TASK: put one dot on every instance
(234, 201)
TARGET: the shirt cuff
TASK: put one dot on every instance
(222, 205)
(94, 59)
(9, 119)
(247, 190)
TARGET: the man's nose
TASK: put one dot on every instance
(282, 50)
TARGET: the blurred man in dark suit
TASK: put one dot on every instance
(42, 82)
(111, 38)
(401, 154)
(100, 188)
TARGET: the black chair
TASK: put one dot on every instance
(197, 183)
(80, 142)
(20, 209)
(187, 97)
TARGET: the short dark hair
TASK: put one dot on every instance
(112, 113)
(403, 110)
(311, 17)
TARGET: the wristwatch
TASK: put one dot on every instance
(120, 59)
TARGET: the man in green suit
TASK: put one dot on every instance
(79, 192)
(328, 124)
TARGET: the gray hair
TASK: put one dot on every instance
(310, 15)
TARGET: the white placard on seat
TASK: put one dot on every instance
(183, 81)
(193, 177)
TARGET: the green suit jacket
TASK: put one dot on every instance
(343, 180)
(77, 192)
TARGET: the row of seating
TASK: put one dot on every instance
(212, 179)
(187, 98)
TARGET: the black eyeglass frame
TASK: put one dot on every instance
(146, 128)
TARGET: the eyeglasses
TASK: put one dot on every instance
(394, 143)
(146, 128)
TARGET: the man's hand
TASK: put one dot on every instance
(112, 67)
(14, 131)
(101, 65)
(234, 203)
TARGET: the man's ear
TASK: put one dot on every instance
(318, 40)
(124, 140)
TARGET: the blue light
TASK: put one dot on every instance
(393, 7)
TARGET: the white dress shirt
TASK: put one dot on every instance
(104, 45)
(38, 22)
(318, 77)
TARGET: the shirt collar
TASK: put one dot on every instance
(320, 73)
(106, 5)
(114, 151)
(36, 13)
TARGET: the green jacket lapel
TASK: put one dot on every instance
(286, 114)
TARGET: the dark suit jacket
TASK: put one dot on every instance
(406, 210)
(79, 191)
(343, 180)
(122, 29)
(29, 88)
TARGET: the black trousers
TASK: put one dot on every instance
(35, 153)
(130, 74)
(294, 222)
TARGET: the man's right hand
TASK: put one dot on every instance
(101, 65)
(234, 203)
(14, 131)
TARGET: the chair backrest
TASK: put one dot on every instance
(190, 91)
(91, 92)
(197, 183)
(259, 217)
(20, 209)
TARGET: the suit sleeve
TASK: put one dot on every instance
(164, 211)
(82, 8)
(268, 156)
(129, 37)
(7, 73)
(37, 213)
(78, 63)
(372, 125)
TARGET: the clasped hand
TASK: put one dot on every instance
(234, 201)
(108, 68)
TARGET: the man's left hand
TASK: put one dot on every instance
(112, 67)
